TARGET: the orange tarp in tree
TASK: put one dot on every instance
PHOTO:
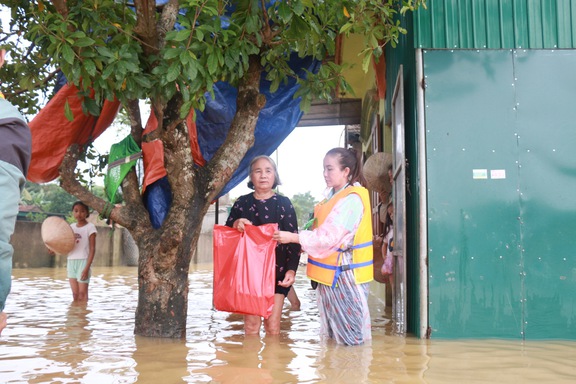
(53, 133)
(153, 151)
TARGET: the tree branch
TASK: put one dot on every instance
(146, 25)
(240, 138)
(61, 7)
(177, 152)
(134, 218)
(133, 108)
(167, 21)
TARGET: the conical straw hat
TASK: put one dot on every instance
(57, 235)
(375, 171)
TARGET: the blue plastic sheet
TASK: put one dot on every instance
(276, 121)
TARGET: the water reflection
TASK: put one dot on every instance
(51, 340)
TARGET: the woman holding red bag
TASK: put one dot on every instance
(265, 206)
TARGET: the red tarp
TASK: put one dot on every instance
(153, 151)
(53, 133)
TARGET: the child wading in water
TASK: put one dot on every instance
(81, 256)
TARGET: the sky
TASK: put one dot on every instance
(299, 158)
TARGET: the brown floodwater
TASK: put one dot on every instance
(50, 340)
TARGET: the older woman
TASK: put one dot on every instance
(264, 206)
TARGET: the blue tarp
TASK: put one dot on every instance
(276, 121)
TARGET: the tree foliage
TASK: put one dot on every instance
(51, 198)
(304, 206)
(105, 46)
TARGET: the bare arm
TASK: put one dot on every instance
(91, 253)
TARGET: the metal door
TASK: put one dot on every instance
(399, 196)
(501, 174)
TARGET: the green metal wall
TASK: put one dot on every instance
(501, 172)
(496, 24)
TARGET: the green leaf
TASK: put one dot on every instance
(275, 84)
(185, 109)
(143, 81)
(84, 42)
(284, 12)
(108, 71)
(92, 107)
(191, 70)
(173, 72)
(172, 53)
(346, 28)
(366, 62)
(182, 35)
(90, 67)
(212, 63)
(68, 112)
(68, 54)
(298, 8)
(105, 52)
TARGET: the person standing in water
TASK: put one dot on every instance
(81, 257)
(340, 252)
(265, 206)
(15, 152)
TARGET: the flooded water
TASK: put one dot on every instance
(49, 340)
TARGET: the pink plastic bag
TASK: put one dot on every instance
(244, 269)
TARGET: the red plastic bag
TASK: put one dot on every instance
(244, 269)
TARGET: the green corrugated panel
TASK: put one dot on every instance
(496, 24)
(493, 31)
(520, 25)
(478, 19)
(566, 34)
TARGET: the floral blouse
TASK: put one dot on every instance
(276, 209)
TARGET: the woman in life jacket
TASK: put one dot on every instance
(339, 250)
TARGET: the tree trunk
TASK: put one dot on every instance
(163, 267)
(165, 253)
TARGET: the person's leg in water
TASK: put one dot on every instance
(252, 324)
(74, 287)
(293, 299)
(272, 323)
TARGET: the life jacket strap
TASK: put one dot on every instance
(341, 268)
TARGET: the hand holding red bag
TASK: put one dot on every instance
(244, 269)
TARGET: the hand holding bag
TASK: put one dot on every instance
(244, 269)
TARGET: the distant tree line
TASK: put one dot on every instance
(51, 199)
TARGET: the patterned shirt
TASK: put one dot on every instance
(276, 209)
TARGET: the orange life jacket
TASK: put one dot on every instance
(327, 270)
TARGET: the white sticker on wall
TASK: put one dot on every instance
(498, 174)
(479, 173)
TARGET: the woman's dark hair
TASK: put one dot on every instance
(349, 158)
(81, 204)
(277, 181)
